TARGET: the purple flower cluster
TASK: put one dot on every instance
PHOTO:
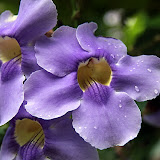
(70, 93)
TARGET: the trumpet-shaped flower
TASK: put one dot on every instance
(95, 79)
(31, 138)
(17, 37)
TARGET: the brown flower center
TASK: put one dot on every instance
(27, 130)
(9, 49)
(94, 70)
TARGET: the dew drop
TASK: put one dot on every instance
(95, 127)
(125, 116)
(120, 105)
(115, 46)
(88, 45)
(131, 70)
(156, 91)
(99, 48)
(85, 138)
(149, 70)
(85, 127)
(112, 56)
(134, 68)
(136, 88)
(80, 127)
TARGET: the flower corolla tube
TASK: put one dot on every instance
(17, 57)
(95, 79)
(31, 138)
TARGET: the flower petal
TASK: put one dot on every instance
(106, 118)
(11, 90)
(29, 152)
(29, 62)
(67, 145)
(35, 18)
(5, 17)
(138, 76)
(6, 22)
(9, 146)
(61, 53)
(49, 96)
(110, 48)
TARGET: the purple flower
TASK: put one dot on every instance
(96, 79)
(31, 138)
(17, 37)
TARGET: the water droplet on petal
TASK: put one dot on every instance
(85, 127)
(99, 48)
(88, 45)
(131, 70)
(80, 127)
(136, 88)
(84, 138)
(125, 116)
(149, 70)
(156, 91)
(120, 105)
(115, 46)
(112, 56)
(95, 127)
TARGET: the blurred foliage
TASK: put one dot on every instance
(2, 131)
(137, 24)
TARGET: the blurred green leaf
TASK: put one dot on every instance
(2, 131)
(134, 27)
(141, 105)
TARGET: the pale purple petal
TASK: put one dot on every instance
(138, 76)
(6, 22)
(29, 62)
(11, 90)
(49, 96)
(9, 146)
(5, 17)
(60, 54)
(63, 143)
(35, 18)
(110, 48)
(106, 118)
